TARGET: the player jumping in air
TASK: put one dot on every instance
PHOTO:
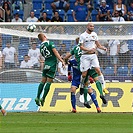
(74, 63)
(51, 55)
(88, 43)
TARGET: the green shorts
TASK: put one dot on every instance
(92, 73)
(50, 71)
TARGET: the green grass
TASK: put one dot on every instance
(66, 123)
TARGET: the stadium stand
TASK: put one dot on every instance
(122, 71)
(109, 71)
(62, 14)
(48, 4)
(37, 12)
(49, 12)
(20, 12)
(69, 16)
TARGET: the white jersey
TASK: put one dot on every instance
(25, 64)
(123, 47)
(118, 19)
(64, 71)
(29, 19)
(34, 55)
(9, 54)
(88, 40)
(113, 46)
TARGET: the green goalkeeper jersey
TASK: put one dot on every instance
(46, 51)
(76, 51)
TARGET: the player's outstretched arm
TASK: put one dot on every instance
(100, 46)
(58, 56)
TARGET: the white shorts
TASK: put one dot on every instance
(88, 61)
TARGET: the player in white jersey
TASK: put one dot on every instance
(88, 44)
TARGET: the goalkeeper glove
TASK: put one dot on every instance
(69, 76)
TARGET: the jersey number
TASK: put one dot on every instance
(45, 52)
(79, 51)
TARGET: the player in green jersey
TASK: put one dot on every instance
(2, 111)
(51, 56)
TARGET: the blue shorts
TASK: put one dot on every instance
(76, 81)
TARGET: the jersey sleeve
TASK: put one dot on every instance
(52, 45)
(81, 39)
(72, 51)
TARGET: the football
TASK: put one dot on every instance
(31, 27)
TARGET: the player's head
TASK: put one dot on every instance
(90, 27)
(77, 40)
(42, 37)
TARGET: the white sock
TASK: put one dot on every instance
(101, 79)
(82, 82)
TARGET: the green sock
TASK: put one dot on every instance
(99, 87)
(46, 89)
(0, 107)
(85, 94)
(40, 88)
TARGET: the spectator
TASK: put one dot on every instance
(44, 18)
(117, 17)
(62, 49)
(1, 16)
(114, 48)
(26, 63)
(62, 71)
(124, 54)
(80, 12)
(121, 8)
(17, 4)
(0, 60)
(87, 2)
(32, 17)
(10, 59)
(130, 12)
(56, 18)
(35, 56)
(103, 12)
(102, 54)
(16, 18)
(60, 4)
(7, 9)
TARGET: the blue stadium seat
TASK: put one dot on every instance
(122, 71)
(109, 71)
(94, 15)
(130, 44)
(24, 40)
(49, 12)
(48, 4)
(37, 12)
(23, 46)
(69, 16)
(37, 4)
(20, 12)
(62, 14)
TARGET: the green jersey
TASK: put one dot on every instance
(46, 51)
(76, 51)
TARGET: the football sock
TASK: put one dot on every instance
(40, 88)
(99, 87)
(93, 97)
(0, 107)
(102, 81)
(73, 100)
(46, 89)
(82, 82)
(85, 94)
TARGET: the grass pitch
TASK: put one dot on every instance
(66, 123)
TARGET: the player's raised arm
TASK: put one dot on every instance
(58, 56)
(100, 46)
